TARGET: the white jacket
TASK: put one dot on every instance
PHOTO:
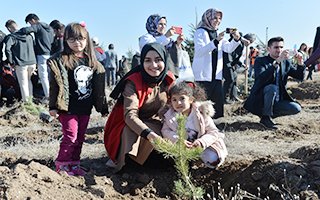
(202, 61)
(148, 38)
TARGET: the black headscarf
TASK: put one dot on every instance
(145, 76)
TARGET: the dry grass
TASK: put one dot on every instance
(255, 155)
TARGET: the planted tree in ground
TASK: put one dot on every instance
(182, 155)
(31, 107)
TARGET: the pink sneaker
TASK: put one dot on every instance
(64, 169)
(70, 168)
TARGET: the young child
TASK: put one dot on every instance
(186, 98)
(76, 85)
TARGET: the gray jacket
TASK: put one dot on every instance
(19, 49)
(43, 34)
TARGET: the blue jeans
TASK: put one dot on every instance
(250, 71)
(276, 109)
(111, 76)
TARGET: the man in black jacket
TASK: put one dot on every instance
(43, 39)
(231, 61)
(269, 97)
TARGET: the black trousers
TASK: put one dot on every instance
(230, 83)
(214, 93)
(311, 68)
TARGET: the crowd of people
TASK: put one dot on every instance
(161, 83)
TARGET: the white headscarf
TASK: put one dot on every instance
(207, 17)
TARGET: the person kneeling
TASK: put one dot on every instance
(269, 97)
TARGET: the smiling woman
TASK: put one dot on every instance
(134, 120)
(153, 64)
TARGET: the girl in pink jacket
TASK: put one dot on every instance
(185, 98)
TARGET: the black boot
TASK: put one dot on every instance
(267, 122)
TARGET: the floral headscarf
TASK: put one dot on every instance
(152, 24)
(207, 17)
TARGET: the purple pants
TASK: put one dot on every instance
(73, 128)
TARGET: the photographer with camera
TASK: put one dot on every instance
(269, 97)
(208, 60)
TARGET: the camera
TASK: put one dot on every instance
(292, 53)
(178, 29)
(231, 30)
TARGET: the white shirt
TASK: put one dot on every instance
(148, 38)
(202, 61)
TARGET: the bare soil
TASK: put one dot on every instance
(288, 158)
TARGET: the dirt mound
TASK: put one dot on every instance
(40, 182)
(258, 157)
(306, 90)
(17, 117)
(35, 180)
(263, 173)
(307, 153)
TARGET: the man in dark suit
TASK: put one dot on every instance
(268, 97)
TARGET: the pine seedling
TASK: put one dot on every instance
(32, 108)
(181, 155)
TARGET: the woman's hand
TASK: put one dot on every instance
(54, 113)
(220, 36)
(170, 32)
(152, 136)
(245, 42)
(180, 39)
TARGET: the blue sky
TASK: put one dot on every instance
(122, 22)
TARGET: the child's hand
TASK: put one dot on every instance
(188, 144)
(196, 143)
(54, 113)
